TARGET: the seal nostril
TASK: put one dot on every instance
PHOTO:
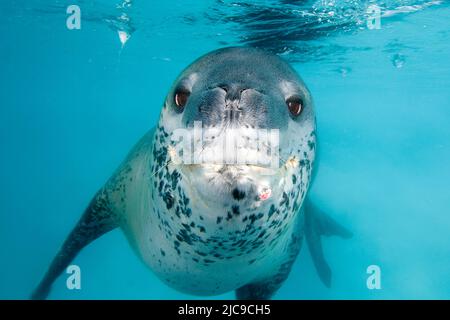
(223, 87)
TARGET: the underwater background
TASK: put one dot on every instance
(74, 102)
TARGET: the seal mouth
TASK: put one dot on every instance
(223, 167)
(229, 174)
(218, 184)
(215, 183)
(236, 169)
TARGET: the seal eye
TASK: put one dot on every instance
(181, 98)
(295, 105)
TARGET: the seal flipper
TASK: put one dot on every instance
(97, 220)
(318, 224)
(263, 290)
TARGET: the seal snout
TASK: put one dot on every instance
(233, 108)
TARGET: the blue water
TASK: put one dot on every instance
(73, 102)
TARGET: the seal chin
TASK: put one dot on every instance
(221, 184)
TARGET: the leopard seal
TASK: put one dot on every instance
(209, 227)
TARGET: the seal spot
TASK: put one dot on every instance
(238, 194)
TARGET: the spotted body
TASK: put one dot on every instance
(208, 249)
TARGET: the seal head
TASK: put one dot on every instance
(248, 117)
